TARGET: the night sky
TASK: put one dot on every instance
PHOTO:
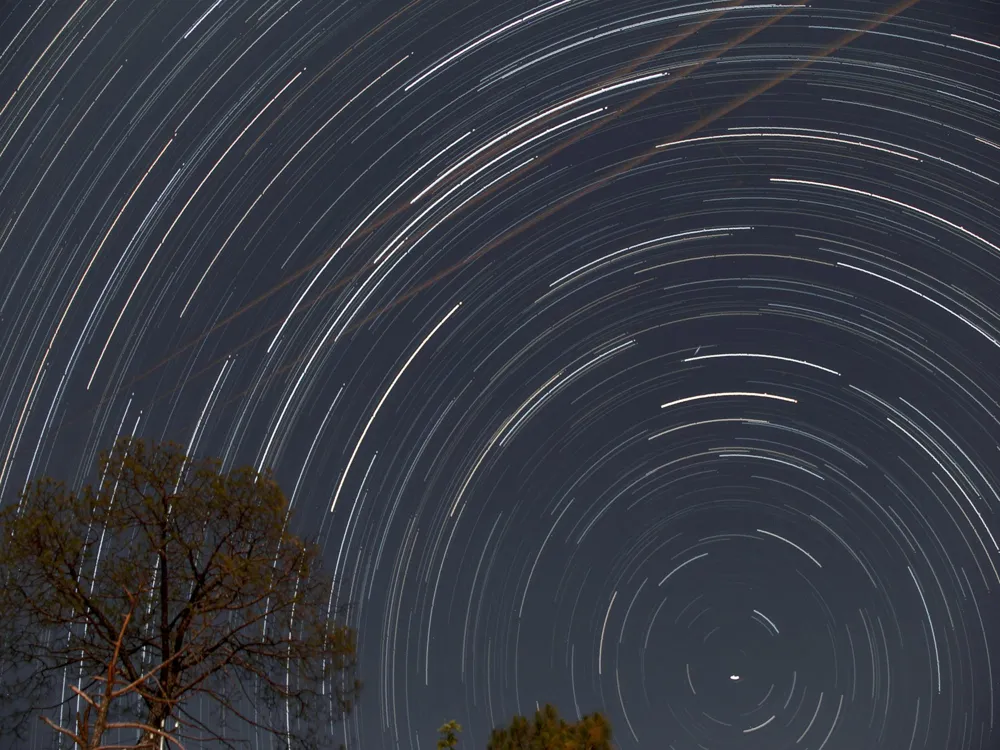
(631, 355)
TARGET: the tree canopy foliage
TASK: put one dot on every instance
(168, 586)
(547, 731)
(448, 735)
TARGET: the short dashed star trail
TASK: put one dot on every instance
(630, 355)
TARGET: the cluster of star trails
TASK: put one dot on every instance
(637, 357)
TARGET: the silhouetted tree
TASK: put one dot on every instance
(170, 583)
(548, 731)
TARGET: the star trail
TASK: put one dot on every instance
(630, 355)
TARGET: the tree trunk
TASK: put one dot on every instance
(157, 719)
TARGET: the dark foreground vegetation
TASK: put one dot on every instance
(172, 585)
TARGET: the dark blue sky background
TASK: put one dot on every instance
(613, 349)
